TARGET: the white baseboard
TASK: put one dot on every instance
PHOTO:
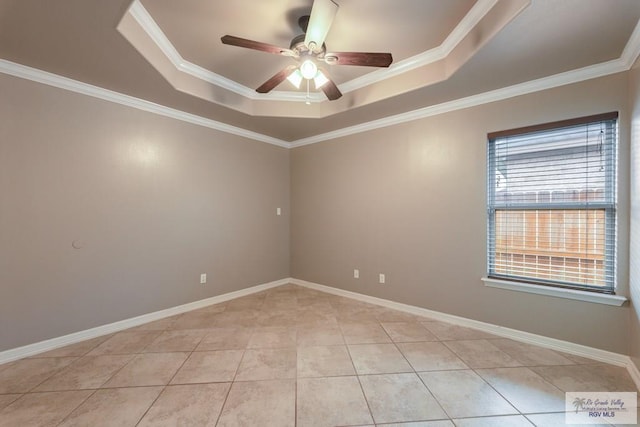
(527, 337)
(51, 344)
(634, 372)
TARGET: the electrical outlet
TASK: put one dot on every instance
(381, 278)
(356, 274)
(278, 211)
(203, 278)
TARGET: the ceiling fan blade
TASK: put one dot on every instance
(322, 14)
(331, 90)
(251, 44)
(367, 59)
(278, 78)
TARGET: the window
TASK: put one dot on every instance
(552, 204)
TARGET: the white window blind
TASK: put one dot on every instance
(552, 203)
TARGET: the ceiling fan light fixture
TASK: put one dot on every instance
(308, 69)
(320, 80)
(295, 78)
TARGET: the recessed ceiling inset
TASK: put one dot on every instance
(444, 53)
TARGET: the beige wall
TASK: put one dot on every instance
(634, 245)
(409, 201)
(154, 201)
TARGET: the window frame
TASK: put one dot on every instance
(610, 208)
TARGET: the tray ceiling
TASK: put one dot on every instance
(169, 53)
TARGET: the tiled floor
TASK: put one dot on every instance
(293, 356)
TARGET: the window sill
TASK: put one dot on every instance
(594, 297)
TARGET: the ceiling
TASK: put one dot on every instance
(169, 53)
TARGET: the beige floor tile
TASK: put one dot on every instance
(481, 354)
(169, 341)
(78, 349)
(267, 364)
(430, 356)
(125, 343)
(400, 398)
(447, 331)
(260, 403)
(587, 377)
(302, 325)
(378, 359)
(89, 372)
(148, 369)
(504, 421)
(334, 401)
(315, 317)
(530, 355)
(357, 316)
(245, 303)
(23, 375)
(225, 339)
(209, 367)
(198, 319)
(614, 378)
(308, 336)
(389, 315)
(187, 405)
(579, 360)
(525, 389)
(408, 332)
(464, 394)
(42, 409)
(156, 325)
(556, 420)
(364, 333)
(273, 337)
(113, 407)
(440, 423)
(6, 399)
(324, 361)
(316, 305)
(278, 317)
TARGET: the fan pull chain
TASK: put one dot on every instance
(308, 100)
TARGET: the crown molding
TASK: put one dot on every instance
(624, 63)
(464, 27)
(50, 79)
(149, 25)
(632, 48)
(575, 76)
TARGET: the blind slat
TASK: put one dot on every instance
(552, 203)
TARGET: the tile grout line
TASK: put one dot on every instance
(163, 387)
(364, 395)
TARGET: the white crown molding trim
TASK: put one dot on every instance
(624, 63)
(52, 344)
(562, 79)
(153, 30)
(464, 27)
(28, 73)
(632, 48)
(526, 337)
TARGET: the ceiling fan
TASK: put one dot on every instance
(310, 51)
